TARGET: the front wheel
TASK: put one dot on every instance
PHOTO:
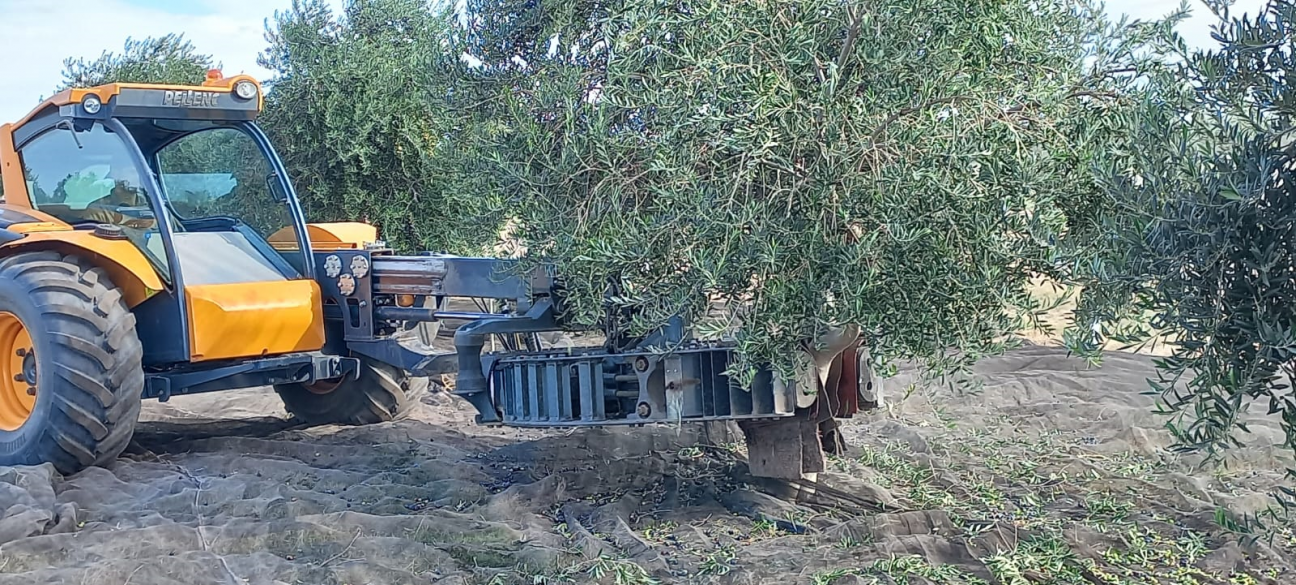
(71, 373)
(381, 393)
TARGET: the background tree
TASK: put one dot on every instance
(1202, 234)
(355, 109)
(165, 59)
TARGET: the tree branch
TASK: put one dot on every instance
(1111, 95)
(881, 128)
(851, 35)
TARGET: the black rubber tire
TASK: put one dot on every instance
(88, 357)
(382, 393)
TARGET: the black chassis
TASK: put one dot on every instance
(361, 288)
(249, 373)
(663, 377)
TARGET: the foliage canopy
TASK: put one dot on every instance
(905, 167)
(1202, 232)
(166, 59)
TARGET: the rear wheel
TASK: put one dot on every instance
(70, 362)
(381, 393)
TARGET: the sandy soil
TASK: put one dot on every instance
(1049, 473)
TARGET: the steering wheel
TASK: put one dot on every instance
(115, 216)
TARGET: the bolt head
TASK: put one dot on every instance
(644, 410)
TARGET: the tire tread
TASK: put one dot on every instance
(97, 376)
(381, 394)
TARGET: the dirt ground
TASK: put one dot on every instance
(1049, 473)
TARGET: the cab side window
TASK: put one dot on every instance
(69, 172)
(90, 177)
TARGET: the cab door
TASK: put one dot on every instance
(243, 298)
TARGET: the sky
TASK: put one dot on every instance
(38, 35)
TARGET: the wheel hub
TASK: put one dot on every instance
(18, 373)
(322, 387)
(29, 371)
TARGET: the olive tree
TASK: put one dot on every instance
(355, 108)
(1201, 234)
(166, 59)
(901, 167)
(904, 167)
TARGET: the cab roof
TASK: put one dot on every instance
(215, 99)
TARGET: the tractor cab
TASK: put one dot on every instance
(179, 191)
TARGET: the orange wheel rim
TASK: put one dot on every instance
(18, 375)
(323, 386)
